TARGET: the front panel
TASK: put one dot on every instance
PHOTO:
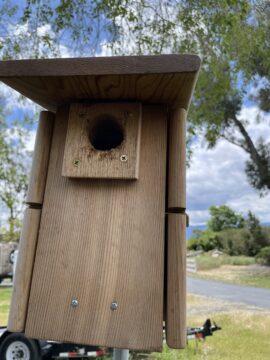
(99, 265)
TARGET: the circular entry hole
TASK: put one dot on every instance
(106, 133)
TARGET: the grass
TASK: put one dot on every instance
(244, 335)
(259, 280)
(207, 262)
(233, 269)
(5, 295)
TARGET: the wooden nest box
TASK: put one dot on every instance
(102, 249)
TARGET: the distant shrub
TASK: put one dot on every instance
(239, 260)
(266, 234)
(208, 262)
(263, 256)
(203, 240)
(237, 242)
(252, 223)
(229, 232)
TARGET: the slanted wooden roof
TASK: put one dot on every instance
(167, 79)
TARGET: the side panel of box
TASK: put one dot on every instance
(41, 158)
(24, 267)
(30, 226)
(176, 281)
(102, 242)
(177, 160)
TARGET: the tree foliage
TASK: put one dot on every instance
(231, 36)
(263, 256)
(223, 217)
(232, 233)
(13, 178)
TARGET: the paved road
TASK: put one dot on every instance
(229, 292)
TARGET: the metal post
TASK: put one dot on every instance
(120, 354)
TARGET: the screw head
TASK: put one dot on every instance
(128, 114)
(114, 306)
(124, 158)
(74, 302)
(76, 162)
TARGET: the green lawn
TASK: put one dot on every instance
(244, 336)
(5, 295)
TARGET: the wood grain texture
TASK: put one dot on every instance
(165, 79)
(24, 267)
(82, 160)
(177, 160)
(176, 282)
(102, 241)
(155, 64)
(41, 157)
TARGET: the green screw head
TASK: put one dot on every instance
(76, 162)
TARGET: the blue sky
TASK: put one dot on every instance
(215, 177)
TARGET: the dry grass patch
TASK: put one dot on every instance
(252, 275)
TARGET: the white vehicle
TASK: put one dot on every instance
(7, 251)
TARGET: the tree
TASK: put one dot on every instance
(222, 218)
(13, 179)
(256, 230)
(231, 36)
(231, 233)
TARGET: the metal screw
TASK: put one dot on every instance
(114, 306)
(123, 158)
(74, 302)
(76, 162)
(128, 114)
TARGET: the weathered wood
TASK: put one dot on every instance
(92, 127)
(176, 282)
(164, 79)
(125, 65)
(24, 267)
(102, 241)
(177, 160)
(41, 157)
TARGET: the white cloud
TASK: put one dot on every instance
(217, 177)
(13, 100)
(30, 142)
(260, 122)
(45, 30)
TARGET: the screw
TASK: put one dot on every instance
(114, 306)
(128, 114)
(123, 158)
(76, 162)
(74, 302)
